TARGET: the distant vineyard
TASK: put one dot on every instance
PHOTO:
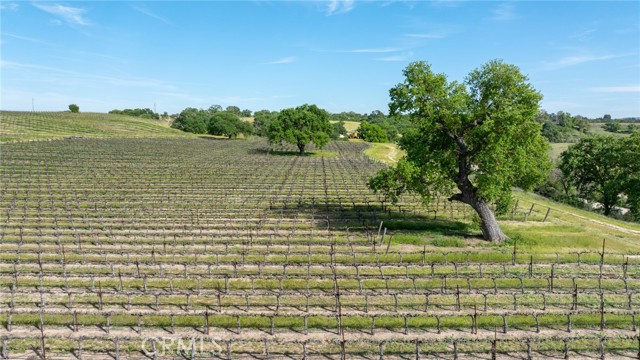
(21, 126)
(203, 248)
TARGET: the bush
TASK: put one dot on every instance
(74, 108)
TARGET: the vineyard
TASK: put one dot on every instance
(22, 126)
(205, 248)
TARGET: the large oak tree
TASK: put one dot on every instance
(300, 126)
(474, 141)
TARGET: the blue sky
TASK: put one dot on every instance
(584, 57)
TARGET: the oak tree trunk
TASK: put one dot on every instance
(468, 194)
(301, 148)
(488, 222)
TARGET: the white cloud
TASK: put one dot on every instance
(504, 12)
(579, 59)
(55, 74)
(582, 35)
(335, 7)
(9, 7)
(399, 57)
(617, 89)
(25, 38)
(69, 14)
(152, 15)
(284, 60)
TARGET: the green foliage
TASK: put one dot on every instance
(234, 110)
(300, 126)
(371, 132)
(228, 124)
(74, 108)
(562, 127)
(479, 137)
(613, 127)
(261, 121)
(558, 134)
(347, 116)
(338, 129)
(192, 120)
(604, 167)
(631, 163)
(145, 113)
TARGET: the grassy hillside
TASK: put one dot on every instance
(21, 126)
(566, 229)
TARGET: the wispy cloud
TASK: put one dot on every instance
(71, 15)
(25, 38)
(92, 79)
(284, 60)
(9, 7)
(335, 7)
(582, 35)
(504, 12)
(425, 36)
(568, 61)
(617, 89)
(398, 57)
(372, 50)
(150, 14)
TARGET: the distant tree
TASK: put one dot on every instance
(555, 133)
(606, 117)
(594, 166)
(371, 132)
(613, 127)
(261, 121)
(542, 116)
(234, 110)
(228, 124)
(347, 116)
(145, 113)
(375, 114)
(214, 108)
(565, 119)
(246, 113)
(631, 164)
(479, 138)
(300, 126)
(582, 124)
(338, 129)
(192, 120)
(74, 108)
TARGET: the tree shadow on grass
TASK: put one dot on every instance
(367, 219)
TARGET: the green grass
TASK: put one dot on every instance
(569, 229)
(23, 126)
(557, 149)
(385, 152)
(350, 126)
